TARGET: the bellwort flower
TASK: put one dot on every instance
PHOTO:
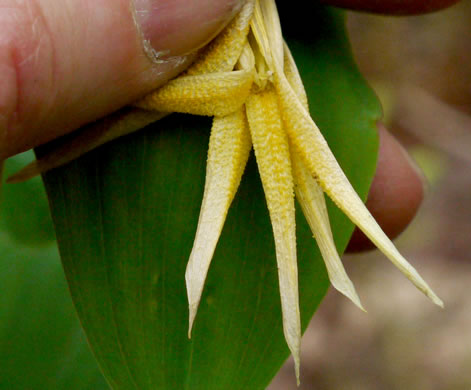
(247, 80)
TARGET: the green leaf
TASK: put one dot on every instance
(42, 345)
(126, 215)
(24, 211)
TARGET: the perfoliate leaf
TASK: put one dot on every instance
(126, 216)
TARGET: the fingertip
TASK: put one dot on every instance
(179, 27)
(396, 192)
(77, 61)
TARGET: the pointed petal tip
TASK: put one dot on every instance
(425, 288)
(191, 321)
(353, 296)
(356, 300)
(296, 369)
(346, 287)
(294, 345)
(193, 297)
(417, 280)
(192, 311)
(435, 299)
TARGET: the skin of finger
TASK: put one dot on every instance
(201, 21)
(71, 62)
(393, 7)
(395, 194)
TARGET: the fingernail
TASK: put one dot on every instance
(178, 27)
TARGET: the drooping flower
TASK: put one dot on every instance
(248, 81)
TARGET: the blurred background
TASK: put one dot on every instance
(420, 68)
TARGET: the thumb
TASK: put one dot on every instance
(66, 63)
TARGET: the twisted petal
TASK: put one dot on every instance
(312, 201)
(311, 145)
(273, 159)
(268, 30)
(258, 29)
(214, 94)
(294, 78)
(224, 51)
(229, 148)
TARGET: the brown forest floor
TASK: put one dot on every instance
(421, 69)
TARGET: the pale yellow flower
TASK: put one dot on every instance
(247, 80)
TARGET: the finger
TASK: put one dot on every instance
(393, 7)
(66, 63)
(396, 192)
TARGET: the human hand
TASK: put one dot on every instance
(64, 65)
(67, 63)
